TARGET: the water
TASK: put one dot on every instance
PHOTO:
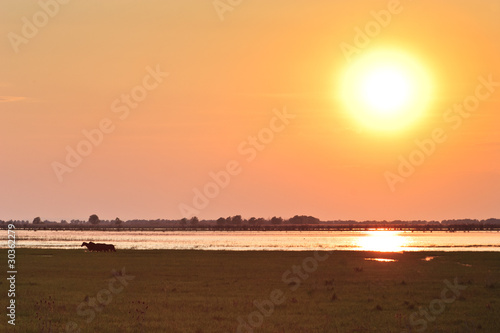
(391, 241)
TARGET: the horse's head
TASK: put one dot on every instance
(84, 243)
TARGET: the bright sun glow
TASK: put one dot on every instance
(385, 90)
(382, 241)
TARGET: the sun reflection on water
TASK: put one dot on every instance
(381, 259)
(382, 241)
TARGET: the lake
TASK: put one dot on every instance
(390, 241)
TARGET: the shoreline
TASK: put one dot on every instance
(262, 250)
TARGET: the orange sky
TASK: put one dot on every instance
(227, 79)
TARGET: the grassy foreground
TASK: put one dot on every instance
(209, 291)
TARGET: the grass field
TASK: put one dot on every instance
(209, 291)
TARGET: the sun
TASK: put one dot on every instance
(385, 90)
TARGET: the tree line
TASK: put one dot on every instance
(238, 220)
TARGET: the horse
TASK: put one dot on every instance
(99, 247)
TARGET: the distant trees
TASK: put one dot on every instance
(236, 220)
(194, 221)
(277, 220)
(491, 221)
(254, 221)
(260, 221)
(94, 219)
(460, 221)
(302, 219)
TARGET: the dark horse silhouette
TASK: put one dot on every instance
(99, 247)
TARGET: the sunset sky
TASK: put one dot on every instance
(256, 88)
